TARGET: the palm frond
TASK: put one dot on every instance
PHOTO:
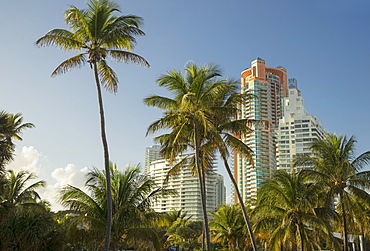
(74, 62)
(107, 77)
(128, 57)
(62, 39)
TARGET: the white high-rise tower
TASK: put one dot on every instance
(296, 128)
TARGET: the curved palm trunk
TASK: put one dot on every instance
(301, 237)
(106, 161)
(202, 190)
(246, 218)
(345, 230)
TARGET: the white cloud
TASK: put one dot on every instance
(32, 160)
(67, 175)
(27, 159)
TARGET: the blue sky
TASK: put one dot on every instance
(323, 44)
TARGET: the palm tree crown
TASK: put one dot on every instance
(11, 127)
(286, 212)
(17, 190)
(132, 194)
(99, 33)
(189, 116)
(334, 164)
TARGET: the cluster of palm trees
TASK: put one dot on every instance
(300, 210)
(321, 204)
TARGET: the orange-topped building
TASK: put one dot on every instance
(269, 86)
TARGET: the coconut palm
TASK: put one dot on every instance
(17, 189)
(188, 116)
(184, 234)
(167, 219)
(99, 34)
(226, 226)
(132, 195)
(20, 201)
(11, 127)
(286, 209)
(334, 163)
(228, 137)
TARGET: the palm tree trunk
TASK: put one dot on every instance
(202, 190)
(301, 237)
(345, 230)
(106, 161)
(246, 218)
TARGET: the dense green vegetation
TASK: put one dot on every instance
(326, 192)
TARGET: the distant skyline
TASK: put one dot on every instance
(323, 44)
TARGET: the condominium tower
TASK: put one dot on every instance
(268, 86)
(186, 185)
(151, 153)
(297, 129)
(285, 129)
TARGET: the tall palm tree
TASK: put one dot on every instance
(334, 163)
(227, 225)
(227, 136)
(188, 116)
(286, 209)
(98, 33)
(11, 127)
(132, 195)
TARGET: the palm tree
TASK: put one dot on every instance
(132, 195)
(184, 234)
(17, 190)
(188, 116)
(18, 197)
(11, 127)
(28, 228)
(227, 226)
(286, 209)
(228, 137)
(169, 218)
(98, 33)
(334, 163)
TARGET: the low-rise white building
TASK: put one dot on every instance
(187, 187)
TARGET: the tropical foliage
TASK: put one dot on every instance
(25, 219)
(287, 212)
(227, 227)
(335, 166)
(193, 116)
(11, 127)
(132, 194)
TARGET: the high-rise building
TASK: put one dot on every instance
(151, 154)
(268, 86)
(187, 187)
(220, 189)
(285, 129)
(296, 128)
